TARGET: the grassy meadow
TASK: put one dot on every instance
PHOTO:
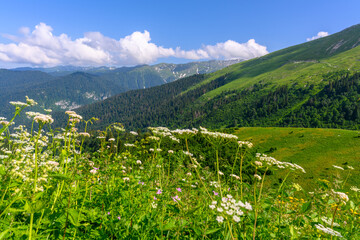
(175, 184)
(316, 149)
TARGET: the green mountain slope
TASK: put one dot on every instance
(317, 150)
(267, 91)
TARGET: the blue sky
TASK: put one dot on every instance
(119, 32)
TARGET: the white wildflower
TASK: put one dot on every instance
(43, 119)
(257, 163)
(340, 196)
(257, 177)
(19, 104)
(84, 134)
(328, 230)
(328, 222)
(235, 176)
(338, 167)
(246, 143)
(236, 218)
(220, 219)
(128, 144)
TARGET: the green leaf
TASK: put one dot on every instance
(306, 207)
(170, 225)
(352, 205)
(136, 227)
(74, 216)
(2, 170)
(60, 177)
(210, 231)
(3, 234)
(38, 206)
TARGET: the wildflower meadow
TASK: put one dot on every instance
(163, 184)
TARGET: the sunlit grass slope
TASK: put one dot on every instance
(317, 150)
(304, 63)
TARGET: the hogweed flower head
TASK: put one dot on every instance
(220, 219)
(44, 119)
(338, 167)
(246, 143)
(328, 230)
(30, 102)
(340, 196)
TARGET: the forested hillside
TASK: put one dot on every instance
(315, 84)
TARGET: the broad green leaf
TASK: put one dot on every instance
(210, 231)
(170, 225)
(2, 170)
(3, 234)
(60, 177)
(74, 216)
(306, 207)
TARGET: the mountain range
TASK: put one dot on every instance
(314, 84)
(68, 87)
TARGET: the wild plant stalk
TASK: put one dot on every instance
(82, 206)
(241, 178)
(333, 218)
(255, 206)
(196, 170)
(282, 183)
(262, 183)
(218, 170)
(33, 201)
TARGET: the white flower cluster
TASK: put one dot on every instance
(185, 131)
(246, 143)
(217, 134)
(229, 207)
(328, 222)
(42, 118)
(129, 145)
(338, 167)
(340, 196)
(163, 132)
(23, 159)
(153, 138)
(19, 104)
(84, 134)
(31, 115)
(328, 230)
(215, 184)
(30, 102)
(355, 189)
(235, 176)
(270, 161)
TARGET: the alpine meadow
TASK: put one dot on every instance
(265, 148)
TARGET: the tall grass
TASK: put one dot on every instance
(167, 184)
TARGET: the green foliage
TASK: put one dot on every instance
(210, 185)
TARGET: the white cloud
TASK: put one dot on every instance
(41, 48)
(319, 35)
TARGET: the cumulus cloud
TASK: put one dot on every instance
(319, 35)
(41, 48)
